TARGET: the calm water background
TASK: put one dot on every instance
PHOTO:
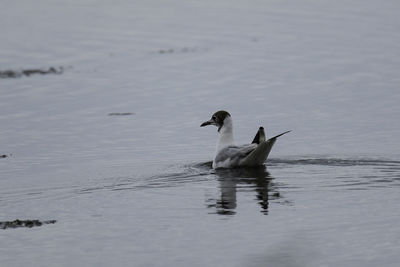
(138, 190)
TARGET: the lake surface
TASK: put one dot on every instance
(109, 144)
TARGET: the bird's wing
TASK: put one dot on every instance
(245, 155)
(233, 154)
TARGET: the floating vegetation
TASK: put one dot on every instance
(120, 113)
(28, 72)
(24, 223)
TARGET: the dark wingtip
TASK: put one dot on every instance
(260, 136)
(256, 139)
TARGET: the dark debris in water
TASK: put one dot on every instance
(3, 156)
(24, 223)
(179, 50)
(28, 72)
(120, 113)
(168, 51)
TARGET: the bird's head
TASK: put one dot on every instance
(217, 119)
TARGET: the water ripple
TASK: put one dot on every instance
(347, 173)
(176, 176)
(334, 162)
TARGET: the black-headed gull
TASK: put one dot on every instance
(228, 155)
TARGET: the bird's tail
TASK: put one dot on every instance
(276, 136)
(259, 155)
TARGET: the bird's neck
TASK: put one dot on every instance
(225, 137)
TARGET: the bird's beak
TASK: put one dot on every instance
(206, 123)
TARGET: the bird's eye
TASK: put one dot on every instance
(214, 118)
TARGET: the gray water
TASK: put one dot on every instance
(137, 189)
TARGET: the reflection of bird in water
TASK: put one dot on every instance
(228, 155)
(230, 183)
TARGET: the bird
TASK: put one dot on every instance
(229, 155)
